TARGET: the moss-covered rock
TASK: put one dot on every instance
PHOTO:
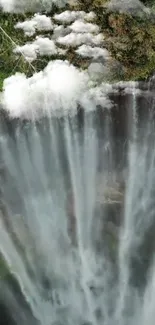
(131, 41)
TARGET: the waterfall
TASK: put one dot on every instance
(77, 177)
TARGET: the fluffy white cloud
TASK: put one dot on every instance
(69, 16)
(38, 22)
(45, 46)
(41, 46)
(29, 51)
(80, 26)
(88, 51)
(56, 90)
(76, 39)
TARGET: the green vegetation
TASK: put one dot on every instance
(3, 75)
(130, 41)
(9, 37)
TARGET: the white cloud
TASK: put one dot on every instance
(56, 90)
(80, 26)
(41, 46)
(69, 16)
(76, 39)
(29, 51)
(88, 51)
(43, 22)
(45, 46)
(38, 22)
(28, 26)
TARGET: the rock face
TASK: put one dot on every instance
(130, 6)
(71, 218)
(13, 306)
(6, 318)
(108, 217)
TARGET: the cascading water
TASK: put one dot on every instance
(52, 235)
(77, 219)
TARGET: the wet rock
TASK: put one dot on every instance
(70, 206)
(5, 317)
(14, 309)
(97, 71)
(130, 6)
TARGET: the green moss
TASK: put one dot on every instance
(131, 41)
(3, 75)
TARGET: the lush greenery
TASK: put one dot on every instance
(130, 40)
(9, 62)
(9, 38)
